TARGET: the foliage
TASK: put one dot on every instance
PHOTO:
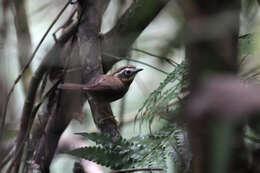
(152, 150)
(249, 10)
(138, 152)
(247, 45)
(163, 100)
(247, 52)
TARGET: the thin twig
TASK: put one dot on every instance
(140, 62)
(45, 65)
(26, 67)
(66, 23)
(137, 169)
(253, 76)
(36, 108)
(244, 36)
(179, 97)
(20, 147)
(23, 134)
(43, 85)
(173, 63)
(243, 60)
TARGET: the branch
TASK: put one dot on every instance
(61, 106)
(90, 55)
(47, 62)
(245, 35)
(120, 38)
(62, 110)
(25, 68)
(171, 62)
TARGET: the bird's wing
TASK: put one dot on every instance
(71, 86)
(103, 84)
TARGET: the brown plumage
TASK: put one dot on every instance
(109, 87)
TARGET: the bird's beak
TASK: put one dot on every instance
(138, 69)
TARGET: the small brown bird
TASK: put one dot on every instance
(107, 88)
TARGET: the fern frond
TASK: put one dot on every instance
(158, 101)
(102, 156)
(106, 140)
(149, 151)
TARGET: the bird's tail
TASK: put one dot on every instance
(71, 86)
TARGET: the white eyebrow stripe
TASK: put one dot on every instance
(123, 70)
(130, 69)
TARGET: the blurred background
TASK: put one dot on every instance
(164, 37)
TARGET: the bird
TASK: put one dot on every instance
(107, 87)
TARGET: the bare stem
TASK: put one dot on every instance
(137, 61)
(173, 63)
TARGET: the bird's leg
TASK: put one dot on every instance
(112, 118)
(67, 21)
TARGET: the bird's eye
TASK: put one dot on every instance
(127, 72)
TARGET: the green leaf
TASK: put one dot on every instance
(141, 151)
(106, 140)
(247, 45)
(114, 160)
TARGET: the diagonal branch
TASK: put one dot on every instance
(62, 109)
(90, 55)
(120, 38)
(47, 62)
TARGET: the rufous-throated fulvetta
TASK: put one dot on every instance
(107, 87)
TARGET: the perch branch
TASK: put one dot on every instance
(90, 55)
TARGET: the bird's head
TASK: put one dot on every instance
(126, 73)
